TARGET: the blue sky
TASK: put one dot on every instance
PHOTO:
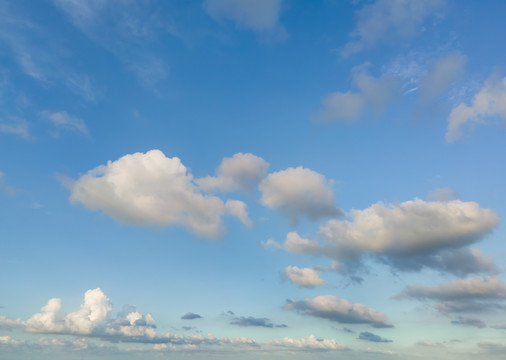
(237, 179)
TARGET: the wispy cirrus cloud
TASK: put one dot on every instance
(389, 21)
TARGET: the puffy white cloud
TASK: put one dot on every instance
(299, 192)
(410, 235)
(442, 74)
(373, 96)
(257, 15)
(303, 277)
(238, 209)
(490, 101)
(151, 189)
(477, 294)
(332, 308)
(61, 119)
(240, 172)
(309, 343)
(389, 21)
(7, 340)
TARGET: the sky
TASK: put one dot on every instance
(248, 179)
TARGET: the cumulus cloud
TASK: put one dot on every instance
(237, 209)
(253, 321)
(489, 102)
(389, 20)
(464, 321)
(191, 316)
(441, 75)
(61, 119)
(465, 295)
(257, 15)
(374, 93)
(309, 343)
(240, 172)
(332, 308)
(299, 192)
(368, 336)
(151, 189)
(409, 235)
(303, 277)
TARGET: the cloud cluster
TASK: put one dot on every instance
(332, 308)
(368, 336)
(373, 94)
(489, 102)
(305, 277)
(240, 172)
(389, 20)
(466, 295)
(151, 189)
(299, 192)
(407, 236)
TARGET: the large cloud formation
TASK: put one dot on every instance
(332, 308)
(299, 192)
(151, 189)
(407, 236)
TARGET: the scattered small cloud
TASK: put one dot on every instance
(303, 277)
(252, 321)
(191, 316)
(368, 336)
(465, 321)
(309, 343)
(427, 343)
(332, 308)
(299, 192)
(240, 172)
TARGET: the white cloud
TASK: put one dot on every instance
(257, 15)
(374, 93)
(151, 189)
(389, 21)
(61, 119)
(7, 340)
(428, 343)
(240, 172)
(16, 126)
(332, 308)
(408, 236)
(308, 343)
(238, 209)
(299, 192)
(489, 102)
(303, 277)
(408, 229)
(443, 73)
